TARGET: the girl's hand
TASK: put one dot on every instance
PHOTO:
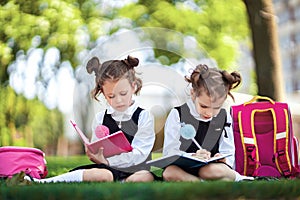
(97, 158)
(221, 160)
(202, 154)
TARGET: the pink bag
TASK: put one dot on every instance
(264, 140)
(16, 159)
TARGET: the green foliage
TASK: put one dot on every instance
(73, 26)
(46, 24)
(218, 26)
(39, 24)
(27, 122)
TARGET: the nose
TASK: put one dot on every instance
(118, 99)
(208, 113)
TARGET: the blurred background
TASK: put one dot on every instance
(45, 44)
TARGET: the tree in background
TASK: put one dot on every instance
(37, 24)
(218, 26)
(74, 28)
(45, 24)
(28, 122)
(265, 48)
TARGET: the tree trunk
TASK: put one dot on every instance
(265, 48)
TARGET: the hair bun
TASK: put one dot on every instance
(93, 65)
(131, 61)
(236, 79)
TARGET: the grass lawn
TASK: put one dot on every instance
(282, 189)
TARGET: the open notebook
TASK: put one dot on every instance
(183, 160)
(112, 144)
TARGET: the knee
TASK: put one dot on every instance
(211, 172)
(147, 177)
(140, 176)
(169, 173)
(98, 175)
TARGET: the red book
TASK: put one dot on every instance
(113, 144)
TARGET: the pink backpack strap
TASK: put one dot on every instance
(281, 143)
(248, 138)
(296, 150)
(296, 168)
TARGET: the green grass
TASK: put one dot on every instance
(283, 189)
(58, 165)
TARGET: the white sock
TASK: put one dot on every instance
(74, 176)
(239, 177)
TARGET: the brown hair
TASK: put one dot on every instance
(113, 70)
(216, 83)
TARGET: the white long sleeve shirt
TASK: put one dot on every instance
(142, 142)
(172, 134)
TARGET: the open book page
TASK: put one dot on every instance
(183, 160)
(190, 155)
(80, 133)
(113, 144)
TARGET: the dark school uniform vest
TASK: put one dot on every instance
(207, 133)
(129, 129)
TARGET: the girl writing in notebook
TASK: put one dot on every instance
(210, 88)
(117, 81)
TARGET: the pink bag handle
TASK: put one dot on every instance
(255, 98)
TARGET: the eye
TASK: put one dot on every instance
(123, 93)
(111, 96)
(217, 107)
(203, 106)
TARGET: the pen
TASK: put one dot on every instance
(196, 143)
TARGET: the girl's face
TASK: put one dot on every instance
(205, 106)
(118, 94)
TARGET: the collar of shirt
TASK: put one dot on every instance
(194, 112)
(122, 116)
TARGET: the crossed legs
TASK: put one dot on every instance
(212, 171)
(104, 175)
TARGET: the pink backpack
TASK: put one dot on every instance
(16, 159)
(264, 140)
